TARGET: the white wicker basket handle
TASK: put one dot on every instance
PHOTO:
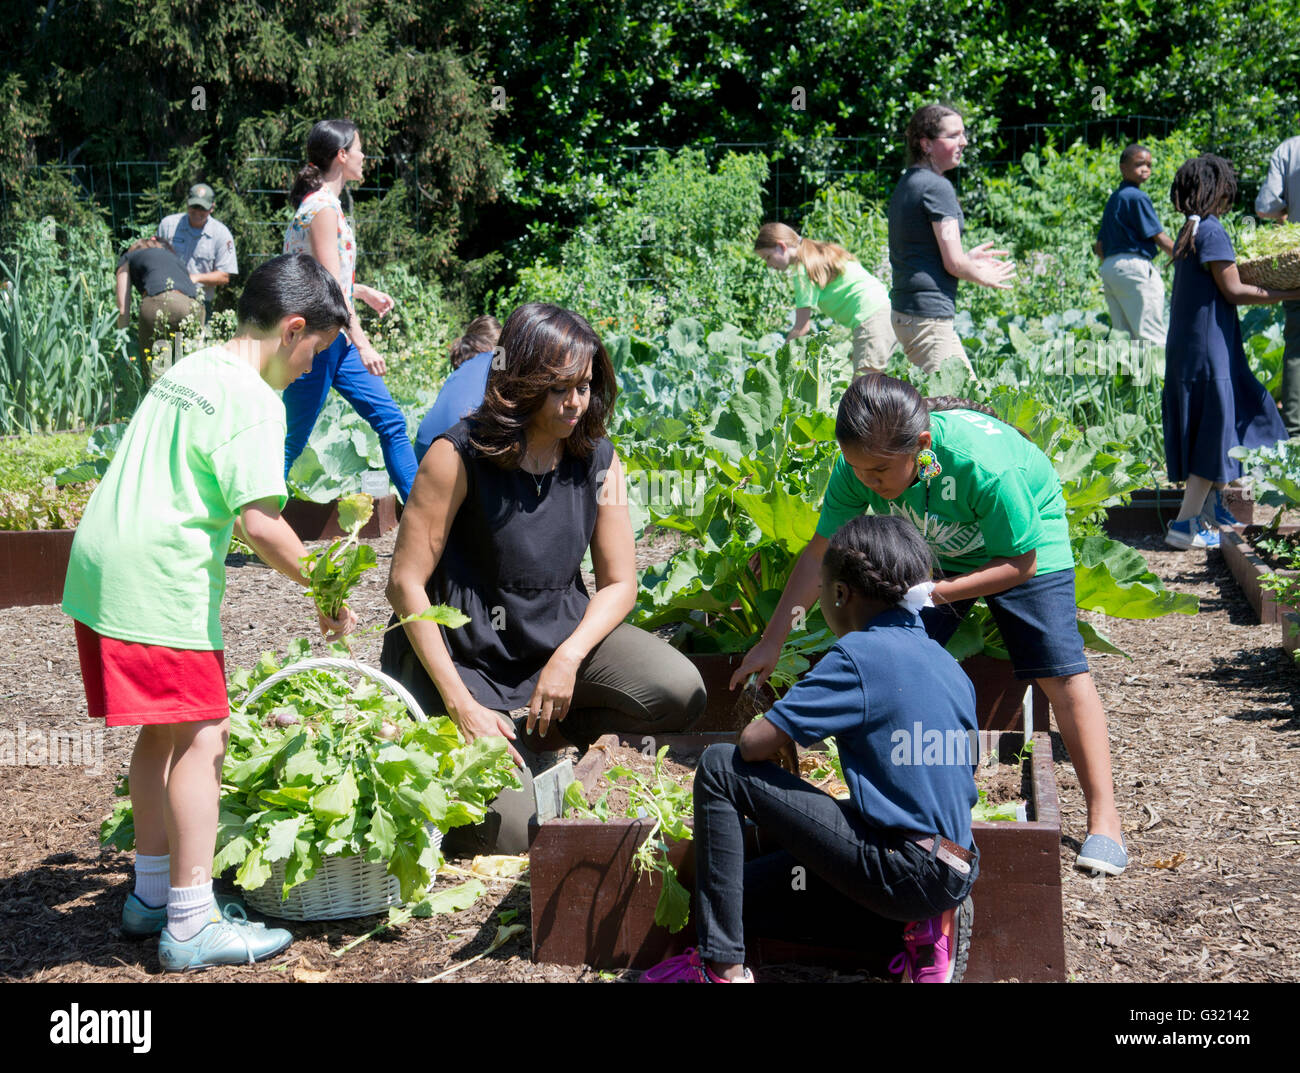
(331, 663)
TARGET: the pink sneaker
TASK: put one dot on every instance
(688, 968)
(931, 957)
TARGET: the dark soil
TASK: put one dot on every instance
(1204, 735)
(1278, 551)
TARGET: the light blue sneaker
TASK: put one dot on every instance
(228, 938)
(1216, 513)
(141, 920)
(1101, 854)
(1191, 533)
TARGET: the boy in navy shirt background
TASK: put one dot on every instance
(1126, 242)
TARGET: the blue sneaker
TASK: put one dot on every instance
(1215, 513)
(225, 940)
(1191, 534)
(1101, 854)
(141, 920)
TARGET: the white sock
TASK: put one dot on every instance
(188, 910)
(152, 879)
(1195, 493)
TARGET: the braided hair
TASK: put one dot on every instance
(880, 556)
(1200, 188)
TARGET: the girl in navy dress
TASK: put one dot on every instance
(1212, 401)
(902, 712)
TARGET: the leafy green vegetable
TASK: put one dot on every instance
(667, 806)
(335, 571)
(1270, 241)
(332, 784)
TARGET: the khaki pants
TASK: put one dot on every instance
(873, 340)
(928, 341)
(160, 316)
(1135, 296)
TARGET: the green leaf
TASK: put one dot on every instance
(1114, 579)
(405, 865)
(674, 906)
(280, 838)
(254, 871)
(788, 519)
(354, 512)
(232, 854)
(454, 899)
(383, 832)
(337, 800)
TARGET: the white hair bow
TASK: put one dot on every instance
(917, 597)
(1195, 221)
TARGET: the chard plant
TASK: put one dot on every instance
(334, 571)
(318, 768)
(667, 806)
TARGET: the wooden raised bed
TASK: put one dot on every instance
(716, 669)
(1150, 510)
(1291, 632)
(590, 907)
(320, 521)
(1248, 567)
(999, 695)
(33, 564)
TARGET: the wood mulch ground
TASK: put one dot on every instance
(1203, 728)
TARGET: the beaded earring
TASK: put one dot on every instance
(927, 465)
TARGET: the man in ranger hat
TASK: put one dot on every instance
(203, 242)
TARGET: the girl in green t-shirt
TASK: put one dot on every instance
(829, 277)
(989, 505)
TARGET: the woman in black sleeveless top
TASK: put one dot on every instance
(503, 509)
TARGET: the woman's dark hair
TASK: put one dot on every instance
(153, 242)
(880, 556)
(1200, 188)
(884, 416)
(290, 284)
(926, 122)
(323, 143)
(481, 334)
(542, 346)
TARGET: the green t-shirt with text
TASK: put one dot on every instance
(996, 497)
(148, 559)
(849, 299)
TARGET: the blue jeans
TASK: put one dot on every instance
(339, 366)
(834, 871)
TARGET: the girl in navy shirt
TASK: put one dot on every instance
(903, 715)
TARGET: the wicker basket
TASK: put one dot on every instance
(1280, 271)
(343, 886)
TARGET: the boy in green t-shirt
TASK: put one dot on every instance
(202, 458)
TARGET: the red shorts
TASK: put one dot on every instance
(129, 684)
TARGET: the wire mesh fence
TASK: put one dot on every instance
(872, 160)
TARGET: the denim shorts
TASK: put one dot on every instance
(1038, 620)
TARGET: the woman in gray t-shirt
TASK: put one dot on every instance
(925, 252)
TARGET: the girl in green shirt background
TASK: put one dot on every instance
(828, 277)
(989, 505)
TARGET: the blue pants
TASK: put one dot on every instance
(339, 367)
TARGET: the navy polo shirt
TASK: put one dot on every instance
(902, 712)
(1129, 223)
(461, 394)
